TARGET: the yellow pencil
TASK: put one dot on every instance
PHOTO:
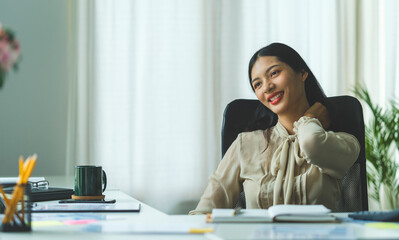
(17, 195)
(27, 166)
(200, 230)
(30, 170)
(11, 208)
(6, 201)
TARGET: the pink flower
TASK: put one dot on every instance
(10, 50)
(5, 56)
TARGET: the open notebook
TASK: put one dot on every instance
(277, 213)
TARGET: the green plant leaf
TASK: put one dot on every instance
(381, 134)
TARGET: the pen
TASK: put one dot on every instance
(237, 211)
(200, 230)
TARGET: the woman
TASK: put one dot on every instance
(297, 161)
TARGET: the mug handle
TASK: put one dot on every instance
(104, 180)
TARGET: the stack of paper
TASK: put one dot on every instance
(46, 207)
(14, 180)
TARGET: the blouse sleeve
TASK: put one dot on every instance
(333, 152)
(224, 184)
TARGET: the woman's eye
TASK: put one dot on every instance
(274, 73)
(256, 85)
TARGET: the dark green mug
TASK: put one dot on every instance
(90, 180)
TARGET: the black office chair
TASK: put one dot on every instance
(346, 116)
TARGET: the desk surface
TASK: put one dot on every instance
(149, 215)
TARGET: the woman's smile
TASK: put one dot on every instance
(275, 97)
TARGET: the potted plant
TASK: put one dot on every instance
(382, 143)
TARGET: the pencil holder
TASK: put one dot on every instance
(21, 217)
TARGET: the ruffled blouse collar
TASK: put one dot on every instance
(281, 131)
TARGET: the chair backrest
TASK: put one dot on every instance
(346, 116)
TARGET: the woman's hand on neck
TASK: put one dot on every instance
(287, 120)
(320, 112)
(317, 110)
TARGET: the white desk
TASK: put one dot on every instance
(222, 231)
(147, 214)
(302, 231)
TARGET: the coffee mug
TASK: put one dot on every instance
(90, 181)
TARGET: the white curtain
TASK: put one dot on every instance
(153, 78)
(389, 49)
(378, 49)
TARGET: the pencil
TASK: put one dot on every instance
(6, 201)
(28, 171)
(17, 195)
(11, 208)
(32, 165)
(237, 210)
(200, 230)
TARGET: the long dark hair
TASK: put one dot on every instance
(288, 55)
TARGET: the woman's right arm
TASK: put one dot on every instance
(224, 184)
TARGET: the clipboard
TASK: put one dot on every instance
(85, 207)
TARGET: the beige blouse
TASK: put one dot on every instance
(273, 167)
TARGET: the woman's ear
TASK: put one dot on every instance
(304, 75)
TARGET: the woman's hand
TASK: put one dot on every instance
(320, 112)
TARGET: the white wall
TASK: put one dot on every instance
(33, 101)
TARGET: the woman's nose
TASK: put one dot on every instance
(268, 87)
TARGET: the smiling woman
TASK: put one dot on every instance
(277, 74)
(291, 162)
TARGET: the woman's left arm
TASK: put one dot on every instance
(333, 152)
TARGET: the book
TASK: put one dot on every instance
(277, 213)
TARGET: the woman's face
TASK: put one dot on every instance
(278, 86)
